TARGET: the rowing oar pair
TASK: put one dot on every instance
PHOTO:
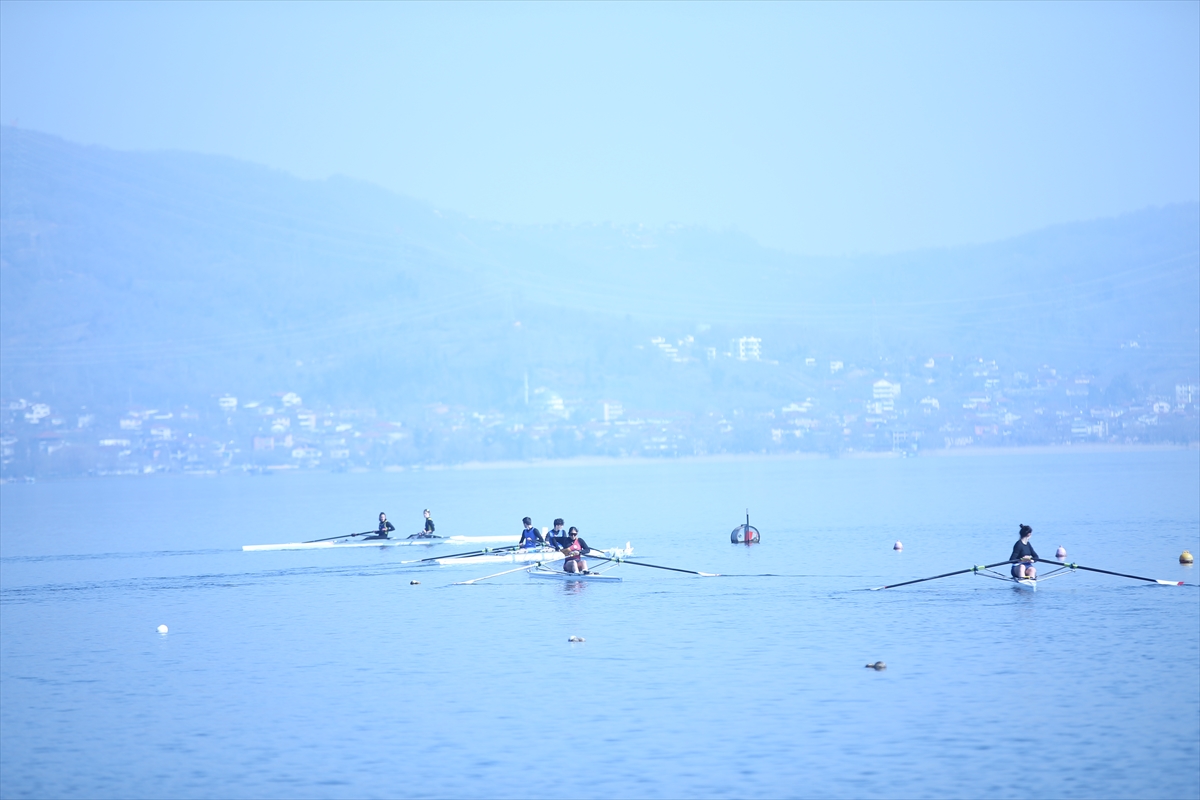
(343, 536)
(1042, 560)
(591, 554)
(485, 551)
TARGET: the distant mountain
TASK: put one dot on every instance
(165, 276)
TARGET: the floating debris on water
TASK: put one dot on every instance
(575, 639)
(878, 666)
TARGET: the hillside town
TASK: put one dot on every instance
(933, 402)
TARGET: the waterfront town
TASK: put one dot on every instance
(927, 403)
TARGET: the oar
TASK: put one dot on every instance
(655, 566)
(944, 575)
(508, 571)
(1118, 574)
(343, 536)
(482, 552)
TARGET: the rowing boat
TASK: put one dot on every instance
(563, 575)
(526, 555)
(1058, 569)
(347, 541)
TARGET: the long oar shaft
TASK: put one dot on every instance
(508, 571)
(1109, 572)
(343, 536)
(656, 566)
(463, 555)
(943, 575)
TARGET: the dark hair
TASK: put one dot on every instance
(558, 521)
(1025, 531)
(381, 514)
(573, 530)
(426, 511)
(527, 521)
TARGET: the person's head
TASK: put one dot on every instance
(382, 516)
(558, 523)
(573, 532)
(426, 512)
(1026, 531)
(527, 522)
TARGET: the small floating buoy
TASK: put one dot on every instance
(1061, 552)
(414, 583)
(1185, 557)
(575, 639)
(877, 666)
(898, 546)
(162, 628)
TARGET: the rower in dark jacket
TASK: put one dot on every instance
(384, 529)
(428, 532)
(530, 536)
(1024, 556)
(557, 537)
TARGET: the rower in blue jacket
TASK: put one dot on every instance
(530, 536)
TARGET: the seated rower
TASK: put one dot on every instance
(1024, 556)
(385, 527)
(558, 538)
(428, 532)
(575, 550)
(531, 536)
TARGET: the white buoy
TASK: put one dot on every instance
(575, 639)
(898, 546)
(162, 628)
(1062, 552)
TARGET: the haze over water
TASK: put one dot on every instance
(326, 674)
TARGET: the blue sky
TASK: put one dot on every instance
(818, 129)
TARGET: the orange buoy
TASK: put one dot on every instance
(1185, 557)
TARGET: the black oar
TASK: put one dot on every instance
(482, 552)
(654, 566)
(343, 536)
(944, 575)
(1107, 572)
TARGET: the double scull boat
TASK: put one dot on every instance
(349, 541)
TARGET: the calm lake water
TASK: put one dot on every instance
(326, 674)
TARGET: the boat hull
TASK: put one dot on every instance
(562, 575)
(338, 544)
(1026, 584)
(522, 556)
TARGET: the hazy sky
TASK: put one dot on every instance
(820, 129)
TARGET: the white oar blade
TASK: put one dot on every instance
(1170, 583)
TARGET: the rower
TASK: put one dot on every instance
(575, 550)
(428, 532)
(1024, 556)
(384, 529)
(530, 536)
(558, 537)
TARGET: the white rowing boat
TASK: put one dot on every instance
(348, 541)
(1025, 583)
(563, 575)
(524, 556)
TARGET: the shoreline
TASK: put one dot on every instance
(953, 452)
(719, 458)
